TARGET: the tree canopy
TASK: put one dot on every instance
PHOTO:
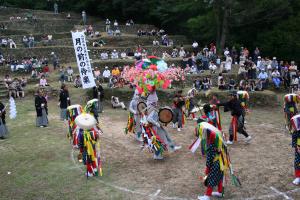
(272, 25)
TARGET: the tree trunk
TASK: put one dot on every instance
(224, 28)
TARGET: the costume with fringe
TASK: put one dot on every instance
(72, 112)
(155, 136)
(296, 143)
(290, 108)
(212, 145)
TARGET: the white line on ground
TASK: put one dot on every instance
(281, 193)
(150, 196)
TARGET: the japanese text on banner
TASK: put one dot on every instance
(83, 60)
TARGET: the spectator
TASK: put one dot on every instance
(123, 55)
(106, 74)
(222, 84)
(64, 102)
(54, 60)
(274, 64)
(295, 83)
(116, 24)
(242, 73)
(7, 80)
(155, 42)
(276, 78)
(31, 41)
(131, 22)
(228, 63)
(97, 73)
(117, 32)
(107, 25)
(83, 14)
(46, 70)
(206, 84)
(25, 41)
(116, 72)
(115, 103)
(195, 46)
(104, 56)
(77, 82)
(198, 84)
(43, 81)
(70, 74)
(263, 79)
(20, 90)
(33, 73)
(232, 84)
(182, 53)
(165, 55)
(11, 43)
(13, 88)
(23, 81)
(62, 76)
(212, 67)
(55, 8)
(4, 42)
(114, 54)
(137, 55)
(69, 16)
(293, 69)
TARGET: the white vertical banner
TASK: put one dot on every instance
(83, 60)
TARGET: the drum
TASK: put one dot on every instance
(165, 115)
(141, 106)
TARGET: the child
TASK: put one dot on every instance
(70, 74)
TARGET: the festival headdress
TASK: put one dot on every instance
(291, 98)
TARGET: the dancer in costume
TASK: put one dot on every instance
(155, 136)
(290, 108)
(178, 103)
(64, 101)
(41, 109)
(92, 108)
(295, 121)
(208, 115)
(237, 121)
(72, 112)
(190, 105)
(217, 159)
(216, 111)
(243, 96)
(3, 128)
(89, 144)
(133, 124)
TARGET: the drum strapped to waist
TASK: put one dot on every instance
(165, 115)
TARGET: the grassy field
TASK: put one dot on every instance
(39, 163)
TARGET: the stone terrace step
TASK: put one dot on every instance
(122, 41)
(122, 62)
(66, 53)
(9, 11)
(123, 28)
(38, 36)
(37, 29)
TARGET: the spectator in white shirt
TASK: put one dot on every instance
(106, 74)
(70, 74)
(226, 51)
(137, 55)
(155, 42)
(181, 53)
(104, 56)
(43, 81)
(116, 24)
(123, 55)
(276, 78)
(114, 54)
(212, 67)
(263, 79)
(11, 43)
